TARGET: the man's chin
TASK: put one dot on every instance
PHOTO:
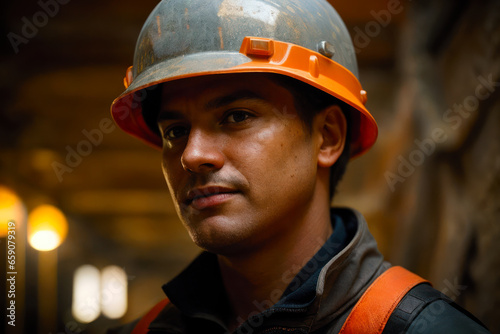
(222, 246)
(222, 240)
(224, 232)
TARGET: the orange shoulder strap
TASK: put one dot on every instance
(373, 309)
(143, 324)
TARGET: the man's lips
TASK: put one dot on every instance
(204, 197)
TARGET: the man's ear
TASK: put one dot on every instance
(332, 127)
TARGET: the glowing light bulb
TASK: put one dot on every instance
(45, 240)
(47, 228)
(11, 209)
(86, 305)
(113, 292)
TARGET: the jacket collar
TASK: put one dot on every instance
(324, 297)
(347, 275)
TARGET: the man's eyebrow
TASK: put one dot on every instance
(168, 115)
(233, 97)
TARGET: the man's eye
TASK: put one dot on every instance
(237, 116)
(175, 132)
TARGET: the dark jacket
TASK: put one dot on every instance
(318, 300)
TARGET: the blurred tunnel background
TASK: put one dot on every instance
(430, 188)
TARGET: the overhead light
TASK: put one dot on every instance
(86, 305)
(113, 292)
(11, 210)
(47, 228)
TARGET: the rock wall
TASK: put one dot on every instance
(444, 180)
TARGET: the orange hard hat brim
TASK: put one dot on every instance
(256, 55)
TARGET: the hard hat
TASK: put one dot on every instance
(303, 39)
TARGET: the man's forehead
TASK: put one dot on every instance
(220, 90)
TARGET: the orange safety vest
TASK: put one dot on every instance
(369, 315)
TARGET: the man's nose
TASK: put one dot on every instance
(202, 153)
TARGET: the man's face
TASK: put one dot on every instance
(240, 164)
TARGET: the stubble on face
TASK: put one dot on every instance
(268, 161)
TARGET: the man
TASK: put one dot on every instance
(257, 108)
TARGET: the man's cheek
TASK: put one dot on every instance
(265, 136)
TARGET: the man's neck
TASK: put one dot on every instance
(257, 280)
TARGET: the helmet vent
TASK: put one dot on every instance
(314, 66)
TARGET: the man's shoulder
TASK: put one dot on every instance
(425, 310)
(442, 316)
